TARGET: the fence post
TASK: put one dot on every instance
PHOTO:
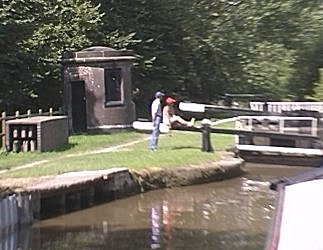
(3, 131)
(28, 113)
(206, 142)
(17, 114)
(50, 111)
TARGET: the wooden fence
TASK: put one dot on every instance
(18, 115)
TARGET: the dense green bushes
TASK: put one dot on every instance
(194, 50)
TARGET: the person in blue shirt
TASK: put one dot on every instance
(156, 115)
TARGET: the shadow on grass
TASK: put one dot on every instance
(185, 147)
(66, 147)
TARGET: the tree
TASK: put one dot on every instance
(35, 34)
(318, 88)
(194, 50)
(15, 22)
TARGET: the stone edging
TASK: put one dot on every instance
(22, 206)
(156, 178)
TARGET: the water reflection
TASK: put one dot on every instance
(232, 214)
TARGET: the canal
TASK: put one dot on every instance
(231, 214)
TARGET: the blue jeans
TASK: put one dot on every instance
(155, 133)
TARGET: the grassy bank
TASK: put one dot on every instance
(91, 152)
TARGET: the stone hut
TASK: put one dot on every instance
(98, 89)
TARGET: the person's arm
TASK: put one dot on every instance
(154, 110)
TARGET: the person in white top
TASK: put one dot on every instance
(156, 116)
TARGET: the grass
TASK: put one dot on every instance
(77, 144)
(176, 149)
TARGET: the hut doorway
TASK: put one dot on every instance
(78, 106)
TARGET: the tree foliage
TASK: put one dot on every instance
(318, 88)
(35, 33)
(194, 50)
(199, 50)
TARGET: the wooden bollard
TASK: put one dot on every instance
(206, 142)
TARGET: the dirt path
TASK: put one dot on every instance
(98, 151)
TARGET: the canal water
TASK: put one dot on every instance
(231, 214)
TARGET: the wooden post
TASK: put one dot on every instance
(206, 142)
(265, 107)
(3, 130)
